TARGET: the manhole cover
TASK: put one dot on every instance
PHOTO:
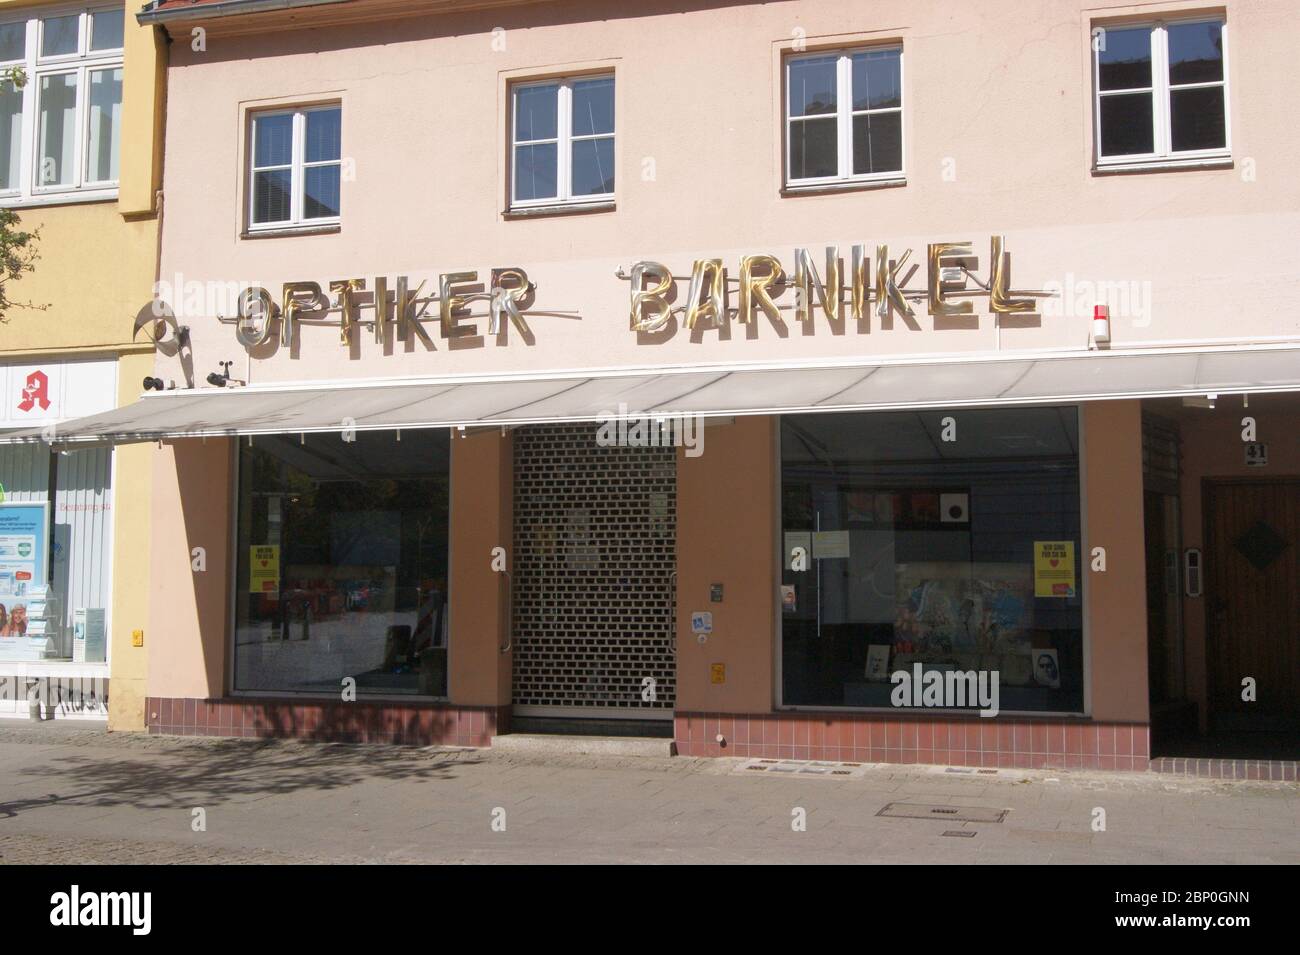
(906, 810)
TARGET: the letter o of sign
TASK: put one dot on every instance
(256, 312)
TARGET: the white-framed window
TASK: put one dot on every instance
(844, 116)
(1161, 92)
(61, 125)
(295, 167)
(562, 142)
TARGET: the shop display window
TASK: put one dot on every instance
(945, 539)
(55, 554)
(342, 565)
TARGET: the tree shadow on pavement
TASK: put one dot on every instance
(185, 773)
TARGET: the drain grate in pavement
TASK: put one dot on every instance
(802, 768)
(905, 810)
(960, 833)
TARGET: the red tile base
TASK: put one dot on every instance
(413, 724)
(974, 741)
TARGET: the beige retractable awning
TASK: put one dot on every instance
(718, 390)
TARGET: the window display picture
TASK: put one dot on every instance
(344, 565)
(948, 555)
(949, 608)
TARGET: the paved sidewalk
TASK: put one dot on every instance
(71, 794)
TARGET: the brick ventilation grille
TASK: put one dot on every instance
(594, 552)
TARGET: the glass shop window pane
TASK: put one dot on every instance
(812, 86)
(105, 122)
(1126, 125)
(877, 79)
(11, 135)
(324, 135)
(1123, 58)
(342, 565)
(58, 129)
(593, 107)
(958, 556)
(1196, 118)
(535, 172)
(321, 199)
(1195, 53)
(106, 30)
(59, 35)
(814, 148)
(877, 143)
(272, 140)
(13, 41)
(593, 167)
(80, 561)
(536, 113)
(25, 473)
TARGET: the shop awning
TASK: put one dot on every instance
(716, 390)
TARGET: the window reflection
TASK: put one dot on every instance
(959, 554)
(343, 565)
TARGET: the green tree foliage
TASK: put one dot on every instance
(17, 248)
(17, 255)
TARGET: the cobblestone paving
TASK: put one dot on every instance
(77, 794)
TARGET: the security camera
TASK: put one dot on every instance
(153, 384)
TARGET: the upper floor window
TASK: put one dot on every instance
(61, 123)
(295, 168)
(844, 117)
(562, 142)
(1161, 92)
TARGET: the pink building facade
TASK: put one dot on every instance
(712, 369)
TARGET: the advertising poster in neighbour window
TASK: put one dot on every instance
(23, 547)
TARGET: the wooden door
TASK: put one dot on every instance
(1252, 565)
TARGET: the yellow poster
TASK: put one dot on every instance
(264, 569)
(1053, 568)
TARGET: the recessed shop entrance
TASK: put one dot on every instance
(1222, 503)
(593, 587)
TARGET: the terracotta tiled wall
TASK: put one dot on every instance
(342, 722)
(1011, 744)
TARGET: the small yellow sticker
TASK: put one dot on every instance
(1054, 569)
(137, 638)
(264, 569)
(718, 673)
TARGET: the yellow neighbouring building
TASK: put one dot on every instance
(80, 160)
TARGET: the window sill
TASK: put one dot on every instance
(291, 231)
(64, 668)
(828, 188)
(559, 209)
(1161, 165)
(58, 199)
(934, 712)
